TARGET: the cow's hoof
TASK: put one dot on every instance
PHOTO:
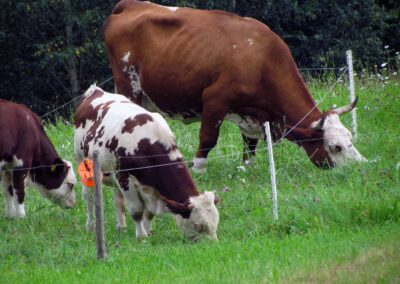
(142, 237)
(199, 165)
(90, 227)
(20, 212)
(199, 171)
(120, 228)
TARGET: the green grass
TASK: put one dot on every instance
(341, 225)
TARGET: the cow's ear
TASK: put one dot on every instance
(177, 207)
(216, 199)
(57, 166)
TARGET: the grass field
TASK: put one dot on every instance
(336, 226)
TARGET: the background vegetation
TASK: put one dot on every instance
(51, 50)
(336, 226)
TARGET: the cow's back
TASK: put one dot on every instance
(163, 44)
(116, 126)
(20, 130)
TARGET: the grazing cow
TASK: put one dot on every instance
(211, 65)
(26, 154)
(137, 151)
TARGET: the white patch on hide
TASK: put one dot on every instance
(16, 162)
(91, 90)
(172, 9)
(175, 155)
(250, 41)
(125, 58)
(134, 79)
(247, 125)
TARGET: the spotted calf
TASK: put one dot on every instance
(138, 153)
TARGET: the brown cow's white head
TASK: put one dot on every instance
(328, 142)
(203, 219)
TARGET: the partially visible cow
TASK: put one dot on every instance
(211, 65)
(137, 149)
(26, 154)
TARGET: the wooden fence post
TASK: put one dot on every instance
(98, 200)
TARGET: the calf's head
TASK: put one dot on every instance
(58, 184)
(199, 217)
(327, 142)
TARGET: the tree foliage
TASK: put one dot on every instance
(52, 50)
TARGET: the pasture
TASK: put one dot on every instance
(340, 225)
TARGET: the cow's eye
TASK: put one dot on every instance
(335, 149)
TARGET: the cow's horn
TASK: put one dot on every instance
(344, 109)
(318, 125)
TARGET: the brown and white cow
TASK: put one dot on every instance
(137, 152)
(211, 65)
(26, 154)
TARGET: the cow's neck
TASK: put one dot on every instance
(173, 182)
(47, 154)
(44, 157)
(295, 106)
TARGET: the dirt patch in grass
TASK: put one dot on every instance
(376, 265)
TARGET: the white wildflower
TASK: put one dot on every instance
(241, 168)
(383, 64)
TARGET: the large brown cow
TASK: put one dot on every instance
(26, 154)
(211, 65)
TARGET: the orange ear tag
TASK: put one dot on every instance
(85, 171)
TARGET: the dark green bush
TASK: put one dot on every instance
(43, 67)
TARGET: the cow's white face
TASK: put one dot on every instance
(64, 196)
(203, 219)
(338, 141)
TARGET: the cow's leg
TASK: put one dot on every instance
(18, 178)
(212, 117)
(136, 209)
(134, 203)
(8, 194)
(249, 149)
(88, 196)
(147, 218)
(119, 202)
